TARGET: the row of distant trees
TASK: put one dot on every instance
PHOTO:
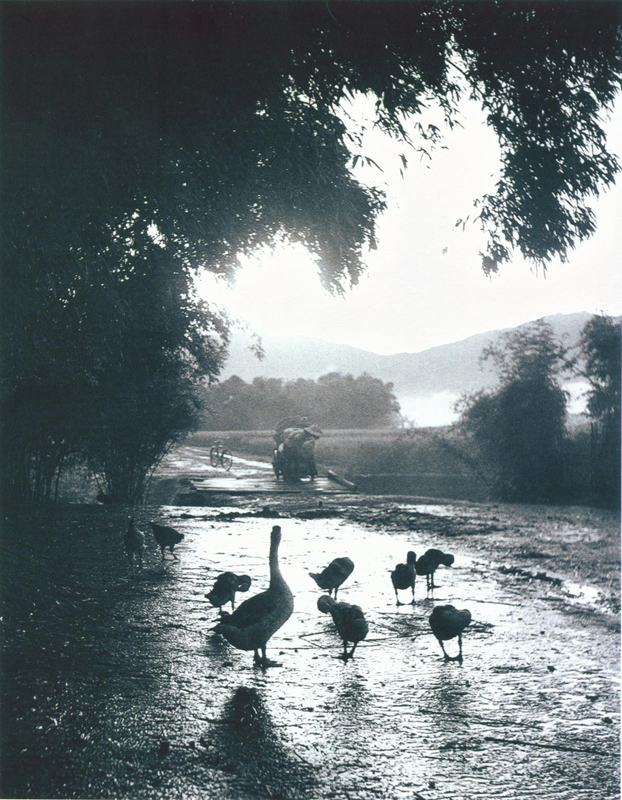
(332, 401)
(516, 434)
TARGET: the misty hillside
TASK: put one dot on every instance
(453, 368)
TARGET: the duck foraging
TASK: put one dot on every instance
(134, 541)
(403, 577)
(349, 620)
(332, 576)
(429, 562)
(225, 588)
(257, 619)
(166, 536)
(447, 623)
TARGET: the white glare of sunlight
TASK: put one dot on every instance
(274, 290)
(156, 235)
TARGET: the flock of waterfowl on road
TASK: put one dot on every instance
(253, 623)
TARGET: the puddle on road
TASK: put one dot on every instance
(586, 595)
(532, 712)
(419, 508)
(397, 719)
(190, 459)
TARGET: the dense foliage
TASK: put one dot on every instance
(601, 349)
(144, 141)
(518, 429)
(110, 378)
(334, 401)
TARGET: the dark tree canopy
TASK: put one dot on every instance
(142, 141)
(218, 122)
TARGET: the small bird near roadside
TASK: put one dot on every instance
(257, 619)
(134, 541)
(225, 588)
(166, 536)
(429, 562)
(447, 623)
(403, 577)
(349, 620)
(332, 576)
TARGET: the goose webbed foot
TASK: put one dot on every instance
(263, 661)
(267, 662)
(345, 657)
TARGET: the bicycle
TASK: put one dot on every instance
(219, 456)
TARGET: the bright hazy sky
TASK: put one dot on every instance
(413, 295)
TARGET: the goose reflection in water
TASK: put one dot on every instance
(354, 730)
(245, 744)
(448, 702)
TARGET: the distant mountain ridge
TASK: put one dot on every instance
(453, 368)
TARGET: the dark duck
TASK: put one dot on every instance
(331, 578)
(225, 588)
(166, 536)
(349, 620)
(257, 619)
(429, 562)
(134, 541)
(447, 623)
(403, 577)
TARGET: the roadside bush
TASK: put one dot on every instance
(518, 430)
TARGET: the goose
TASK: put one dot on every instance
(134, 541)
(403, 576)
(349, 621)
(166, 537)
(257, 619)
(429, 563)
(447, 623)
(225, 587)
(333, 575)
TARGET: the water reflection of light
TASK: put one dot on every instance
(584, 594)
(385, 720)
(439, 511)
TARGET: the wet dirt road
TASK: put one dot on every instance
(116, 687)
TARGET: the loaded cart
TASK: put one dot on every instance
(294, 453)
